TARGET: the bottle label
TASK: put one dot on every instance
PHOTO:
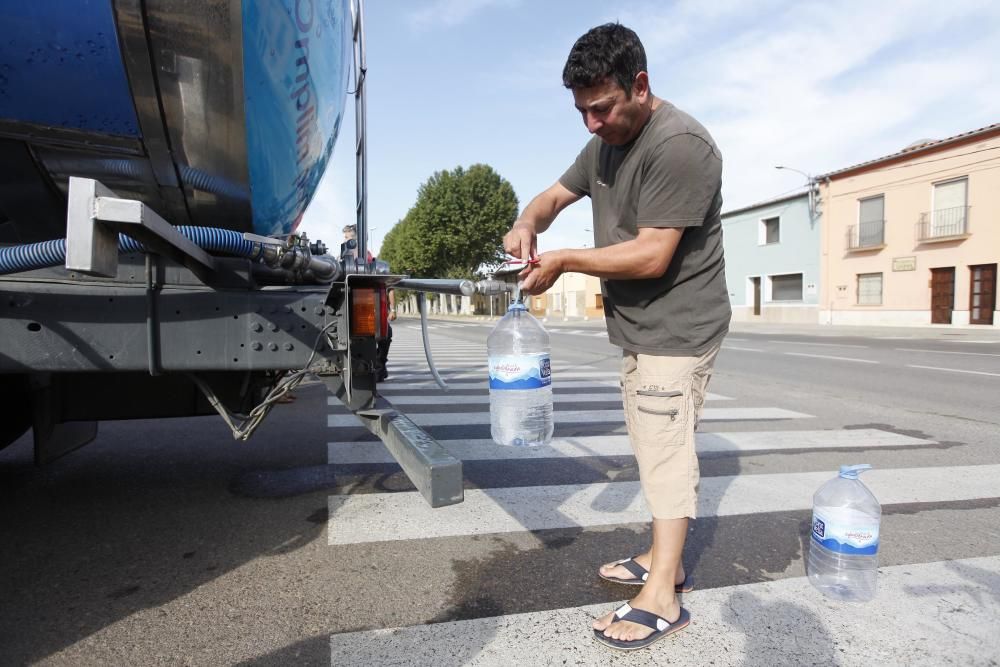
(522, 371)
(845, 531)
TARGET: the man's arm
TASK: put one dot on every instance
(392, 304)
(646, 256)
(522, 239)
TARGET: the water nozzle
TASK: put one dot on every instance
(852, 472)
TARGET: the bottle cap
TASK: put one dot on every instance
(852, 472)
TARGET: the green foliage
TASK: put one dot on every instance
(455, 227)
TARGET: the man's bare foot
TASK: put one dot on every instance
(664, 605)
(616, 571)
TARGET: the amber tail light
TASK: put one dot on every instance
(369, 312)
(363, 312)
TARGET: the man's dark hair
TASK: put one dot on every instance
(609, 50)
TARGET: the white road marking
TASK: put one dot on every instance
(571, 417)
(474, 399)
(618, 445)
(826, 356)
(482, 382)
(794, 342)
(374, 517)
(972, 354)
(925, 615)
(556, 374)
(741, 349)
(954, 370)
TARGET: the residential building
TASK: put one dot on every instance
(772, 260)
(572, 296)
(913, 238)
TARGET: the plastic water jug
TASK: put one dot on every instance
(843, 548)
(520, 380)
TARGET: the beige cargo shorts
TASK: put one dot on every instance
(663, 397)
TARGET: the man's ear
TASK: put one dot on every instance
(640, 87)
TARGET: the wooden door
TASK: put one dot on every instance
(983, 294)
(756, 296)
(942, 295)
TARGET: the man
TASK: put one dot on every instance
(383, 345)
(653, 174)
(347, 248)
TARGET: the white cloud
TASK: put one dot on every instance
(450, 13)
(820, 87)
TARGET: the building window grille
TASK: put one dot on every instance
(870, 230)
(869, 289)
(787, 287)
(950, 216)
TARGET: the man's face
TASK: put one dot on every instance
(350, 235)
(609, 113)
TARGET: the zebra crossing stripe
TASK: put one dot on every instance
(569, 417)
(466, 383)
(917, 611)
(408, 375)
(346, 453)
(390, 389)
(376, 517)
(474, 399)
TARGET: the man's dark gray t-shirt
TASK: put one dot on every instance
(668, 176)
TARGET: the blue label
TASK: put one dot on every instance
(845, 531)
(524, 371)
(831, 544)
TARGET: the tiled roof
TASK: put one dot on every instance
(918, 147)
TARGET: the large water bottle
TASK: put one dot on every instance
(520, 380)
(843, 551)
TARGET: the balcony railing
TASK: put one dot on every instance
(866, 235)
(944, 223)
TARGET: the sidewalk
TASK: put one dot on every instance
(925, 614)
(940, 332)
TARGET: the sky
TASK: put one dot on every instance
(815, 86)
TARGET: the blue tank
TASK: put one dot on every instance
(214, 112)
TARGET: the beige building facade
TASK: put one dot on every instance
(574, 296)
(913, 238)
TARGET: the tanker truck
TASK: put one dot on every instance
(156, 158)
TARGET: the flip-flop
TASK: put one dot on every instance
(660, 626)
(640, 574)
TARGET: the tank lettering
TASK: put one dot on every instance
(304, 25)
(303, 60)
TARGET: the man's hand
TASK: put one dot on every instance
(541, 276)
(521, 241)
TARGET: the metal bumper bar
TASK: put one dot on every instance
(432, 469)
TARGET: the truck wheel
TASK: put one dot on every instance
(15, 398)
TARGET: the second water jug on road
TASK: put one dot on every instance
(520, 380)
(843, 549)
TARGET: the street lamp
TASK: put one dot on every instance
(811, 183)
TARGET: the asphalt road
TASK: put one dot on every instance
(165, 542)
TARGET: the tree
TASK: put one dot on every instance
(455, 227)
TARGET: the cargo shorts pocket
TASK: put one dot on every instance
(661, 415)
